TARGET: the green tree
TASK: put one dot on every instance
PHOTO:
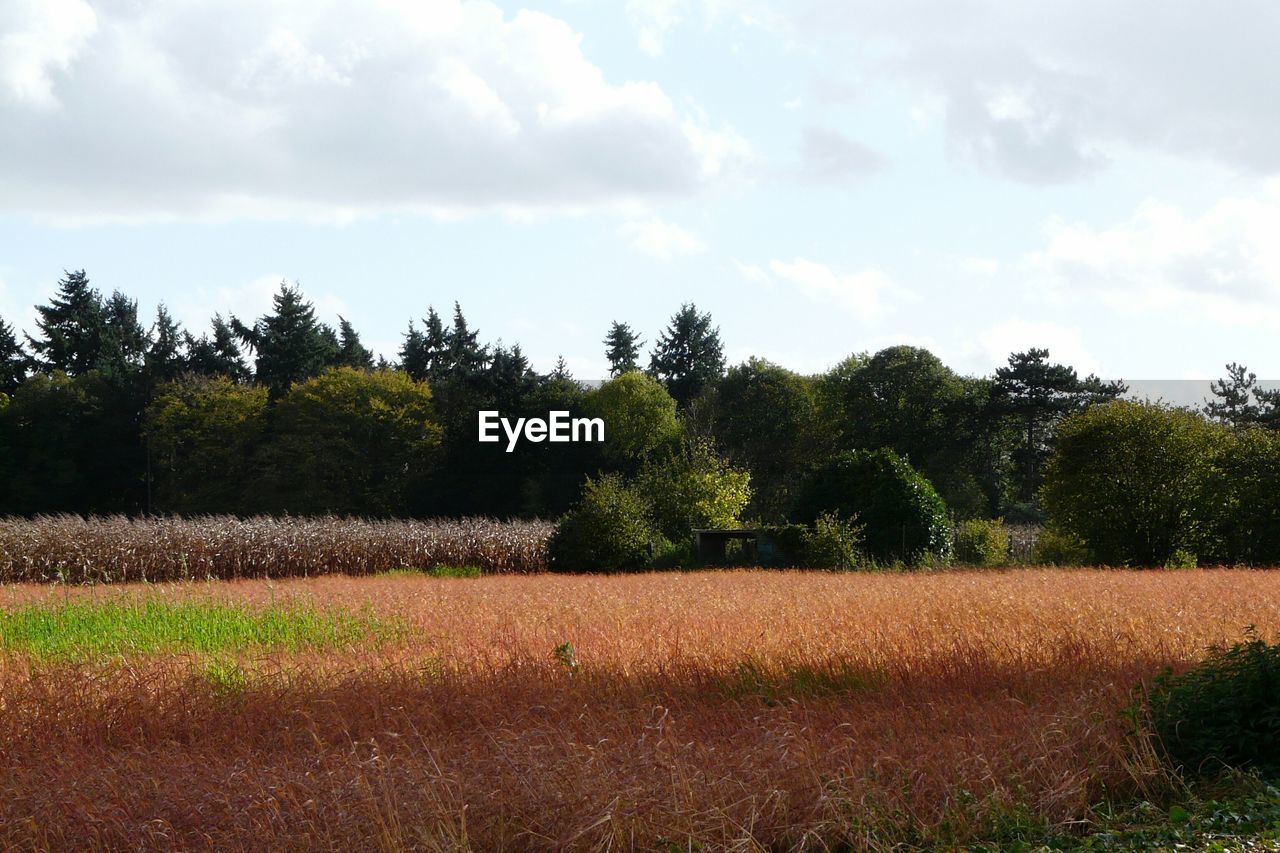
(351, 352)
(903, 516)
(124, 340)
(1243, 502)
(71, 327)
(1038, 394)
(607, 530)
(693, 488)
(164, 359)
(766, 420)
(202, 432)
(1131, 480)
(622, 349)
(14, 361)
(464, 356)
(291, 345)
(349, 441)
(688, 355)
(1239, 401)
(218, 355)
(639, 417)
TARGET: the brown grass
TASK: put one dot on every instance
(119, 549)
(744, 710)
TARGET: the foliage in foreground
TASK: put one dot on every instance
(1225, 712)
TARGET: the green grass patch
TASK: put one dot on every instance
(436, 572)
(82, 630)
(796, 682)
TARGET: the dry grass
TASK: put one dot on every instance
(744, 710)
(119, 549)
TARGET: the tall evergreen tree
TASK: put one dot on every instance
(14, 362)
(413, 354)
(1234, 400)
(622, 348)
(1038, 394)
(164, 358)
(218, 355)
(71, 327)
(352, 353)
(561, 370)
(688, 354)
(464, 355)
(124, 340)
(290, 344)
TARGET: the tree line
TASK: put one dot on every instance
(285, 413)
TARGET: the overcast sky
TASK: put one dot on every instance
(1099, 177)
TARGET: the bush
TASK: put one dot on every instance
(1055, 547)
(1130, 479)
(608, 530)
(693, 488)
(1226, 711)
(1245, 500)
(982, 542)
(903, 517)
(834, 543)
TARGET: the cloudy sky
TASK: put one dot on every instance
(1100, 177)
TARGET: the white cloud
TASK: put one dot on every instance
(38, 39)
(863, 293)
(661, 240)
(979, 265)
(1065, 344)
(1051, 92)
(653, 19)
(216, 109)
(829, 157)
(1221, 266)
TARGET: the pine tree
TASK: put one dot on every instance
(688, 355)
(561, 370)
(291, 345)
(216, 356)
(464, 356)
(413, 354)
(352, 353)
(164, 356)
(14, 362)
(622, 348)
(124, 340)
(1234, 401)
(71, 327)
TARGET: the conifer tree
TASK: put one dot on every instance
(464, 355)
(164, 355)
(291, 345)
(688, 354)
(71, 327)
(216, 356)
(622, 348)
(14, 362)
(352, 353)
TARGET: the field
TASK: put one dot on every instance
(729, 709)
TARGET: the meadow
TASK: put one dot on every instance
(704, 710)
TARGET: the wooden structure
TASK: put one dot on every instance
(709, 544)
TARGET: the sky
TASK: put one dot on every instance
(1099, 177)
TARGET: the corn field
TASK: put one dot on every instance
(115, 549)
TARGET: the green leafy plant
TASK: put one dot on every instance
(834, 543)
(1223, 712)
(982, 542)
(608, 530)
(1055, 547)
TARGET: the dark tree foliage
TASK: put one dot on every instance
(291, 345)
(688, 355)
(164, 358)
(14, 361)
(352, 353)
(622, 349)
(71, 327)
(124, 340)
(1239, 401)
(1037, 394)
(425, 354)
(463, 354)
(216, 355)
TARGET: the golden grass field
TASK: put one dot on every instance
(728, 709)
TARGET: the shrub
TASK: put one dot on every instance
(1226, 711)
(693, 488)
(1055, 547)
(834, 543)
(608, 530)
(1130, 479)
(1245, 499)
(903, 516)
(982, 542)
